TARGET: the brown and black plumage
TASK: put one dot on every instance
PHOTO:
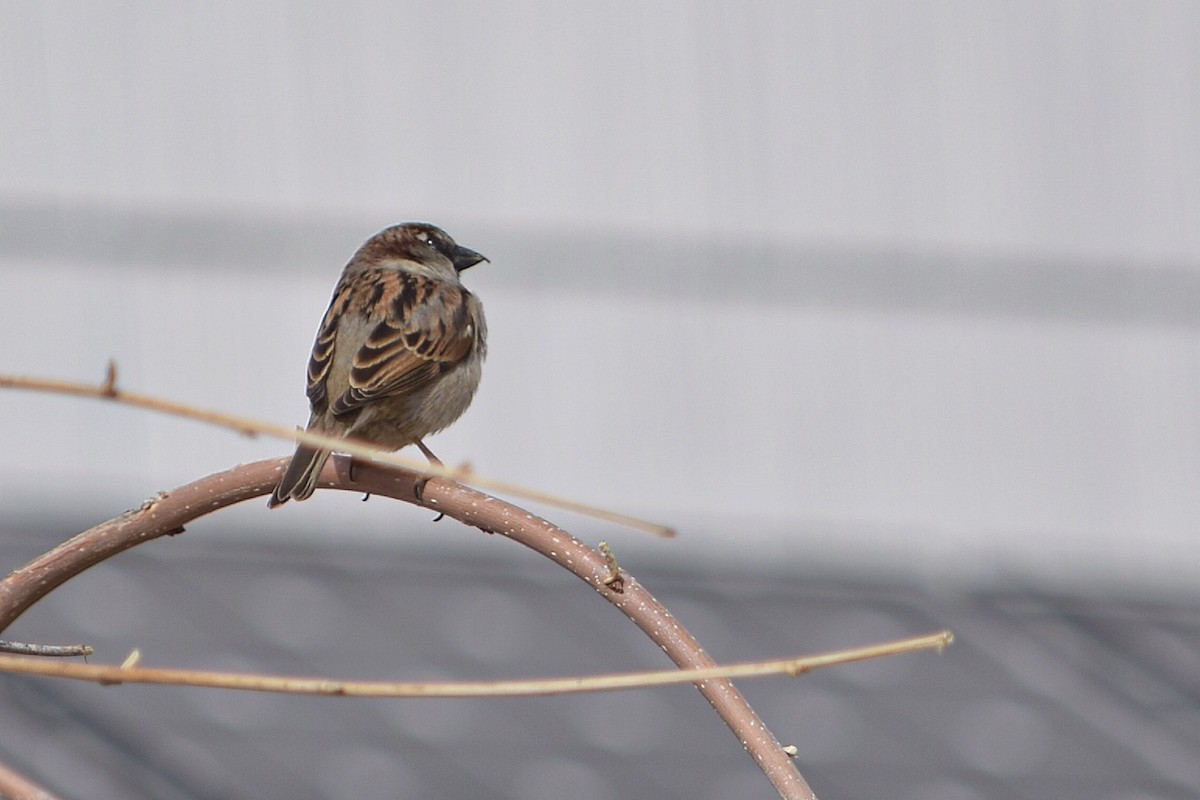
(399, 353)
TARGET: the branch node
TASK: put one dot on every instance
(131, 661)
(797, 668)
(109, 387)
(151, 502)
(612, 579)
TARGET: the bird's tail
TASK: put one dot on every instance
(299, 480)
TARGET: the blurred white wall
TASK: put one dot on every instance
(903, 287)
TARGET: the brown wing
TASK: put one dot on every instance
(414, 329)
(322, 353)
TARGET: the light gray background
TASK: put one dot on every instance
(895, 288)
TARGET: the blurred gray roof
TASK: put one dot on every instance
(1040, 695)
(873, 268)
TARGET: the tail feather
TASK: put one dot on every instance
(299, 480)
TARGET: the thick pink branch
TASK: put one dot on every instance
(169, 513)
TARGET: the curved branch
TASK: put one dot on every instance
(170, 511)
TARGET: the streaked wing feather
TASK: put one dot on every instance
(321, 358)
(425, 330)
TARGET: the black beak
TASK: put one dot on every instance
(465, 258)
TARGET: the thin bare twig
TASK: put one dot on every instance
(45, 650)
(127, 672)
(170, 511)
(108, 390)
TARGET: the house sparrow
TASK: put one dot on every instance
(399, 353)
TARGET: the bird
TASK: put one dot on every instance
(399, 353)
